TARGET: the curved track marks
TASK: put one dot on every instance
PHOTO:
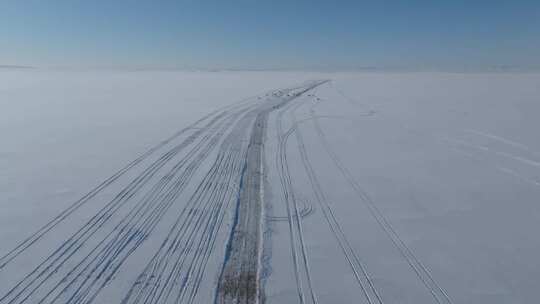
(84, 264)
(223, 151)
(37, 235)
(358, 268)
(297, 243)
(239, 281)
(420, 269)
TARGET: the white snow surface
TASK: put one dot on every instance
(446, 168)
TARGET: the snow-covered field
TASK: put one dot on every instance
(409, 187)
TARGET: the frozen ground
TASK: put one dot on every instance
(410, 188)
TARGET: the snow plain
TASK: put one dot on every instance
(411, 187)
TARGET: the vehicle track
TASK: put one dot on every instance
(83, 265)
(37, 235)
(421, 270)
(105, 259)
(239, 280)
(64, 214)
(293, 212)
(358, 268)
(215, 195)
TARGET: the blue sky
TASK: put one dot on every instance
(270, 34)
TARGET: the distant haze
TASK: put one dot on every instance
(301, 34)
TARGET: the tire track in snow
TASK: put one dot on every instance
(293, 213)
(134, 235)
(503, 140)
(37, 235)
(214, 207)
(422, 271)
(239, 280)
(358, 268)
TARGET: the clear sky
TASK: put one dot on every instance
(270, 34)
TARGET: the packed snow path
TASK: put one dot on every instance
(226, 147)
(369, 188)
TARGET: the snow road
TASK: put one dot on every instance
(367, 188)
